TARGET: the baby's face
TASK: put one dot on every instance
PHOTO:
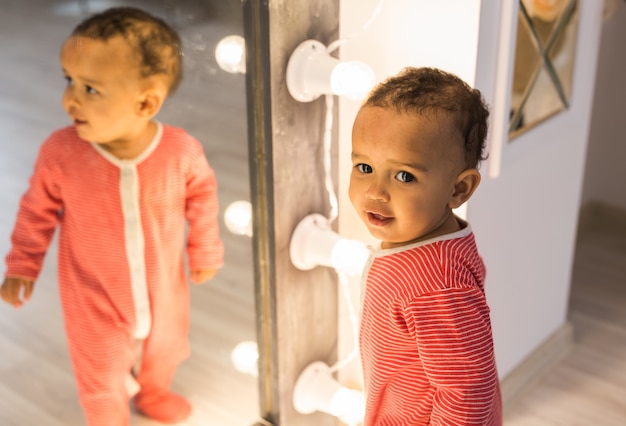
(104, 93)
(404, 172)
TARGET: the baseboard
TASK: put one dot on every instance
(537, 364)
(598, 213)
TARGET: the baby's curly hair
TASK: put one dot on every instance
(158, 45)
(429, 90)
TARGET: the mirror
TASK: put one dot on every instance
(36, 381)
(544, 62)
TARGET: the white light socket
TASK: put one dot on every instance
(312, 243)
(315, 389)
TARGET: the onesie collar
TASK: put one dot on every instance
(465, 230)
(132, 161)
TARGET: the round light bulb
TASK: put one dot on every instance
(317, 390)
(230, 54)
(349, 406)
(349, 256)
(245, 358)
(352, 79)
(238, 218)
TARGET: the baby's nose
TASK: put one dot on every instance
(377, 192)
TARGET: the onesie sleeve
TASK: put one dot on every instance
(454, 338)
(38, 215)
(204, 246)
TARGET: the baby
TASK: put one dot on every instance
(425, 338)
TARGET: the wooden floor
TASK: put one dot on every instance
(588, 387)
(36, 383)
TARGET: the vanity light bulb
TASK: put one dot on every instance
(352, 79)
(238, 218)
(349, 256)
(317, 390)
(230, 54)
(245, 358)
(312, 72)
(348, 405)
(313, 243)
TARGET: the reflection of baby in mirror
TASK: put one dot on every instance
(122, 188)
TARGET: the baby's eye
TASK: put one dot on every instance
(90, 90)
(69, 80)
(405, 177)
(364, 168)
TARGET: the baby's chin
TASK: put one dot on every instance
(83, 133)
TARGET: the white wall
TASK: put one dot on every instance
(525, 220)
(605, 174)
(405, 33)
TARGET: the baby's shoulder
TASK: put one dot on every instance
(63, 142)
(64, 134)
(174, 133)
(179, 139)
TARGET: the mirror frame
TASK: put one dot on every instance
(258, 98)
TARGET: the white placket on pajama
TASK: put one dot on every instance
(134, 244)
(133, 232)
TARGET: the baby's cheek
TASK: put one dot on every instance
(353, 193)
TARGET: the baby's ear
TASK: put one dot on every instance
(150, 104)
(466, 183)
(152, 99)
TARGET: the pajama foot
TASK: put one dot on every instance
(166, 407)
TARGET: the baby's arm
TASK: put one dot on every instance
(204, 246)
(36, 222)
(16, 290)
(453, 332)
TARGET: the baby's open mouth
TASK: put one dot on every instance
(378, 219)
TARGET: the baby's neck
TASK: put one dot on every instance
(127, 149)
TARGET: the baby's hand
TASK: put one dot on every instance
(11, 290)
(198, 276)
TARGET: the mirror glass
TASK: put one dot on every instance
(544, 62)
(36, 381)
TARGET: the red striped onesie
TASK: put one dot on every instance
(121, 247)
(425, 338)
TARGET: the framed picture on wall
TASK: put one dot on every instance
(535, 69)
